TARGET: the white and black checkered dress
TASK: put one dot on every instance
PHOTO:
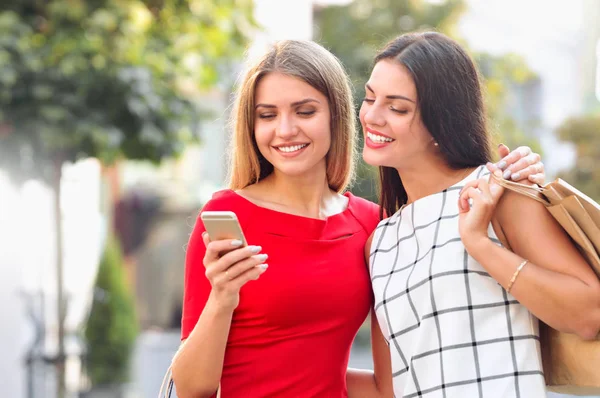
(453, 331)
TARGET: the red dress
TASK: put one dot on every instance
(292, 331)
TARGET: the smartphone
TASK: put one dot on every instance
(222, 225)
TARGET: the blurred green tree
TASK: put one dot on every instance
(354, 32)
(583, 131)
(107, 79)
(111, 328)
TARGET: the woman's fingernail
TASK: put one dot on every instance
(516, 176)
(262, 257)
(236, 242)
(263, 266)
(501, 164)
(255, 249)
(500, 145)
(507, 174)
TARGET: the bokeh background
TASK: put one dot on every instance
(113, 133)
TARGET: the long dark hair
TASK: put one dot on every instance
(450, 101)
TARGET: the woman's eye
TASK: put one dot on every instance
(368, 100)
(306, 113)
(266, 116)
(400, 111)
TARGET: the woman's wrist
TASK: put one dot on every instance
(478, 246)
(217, 307)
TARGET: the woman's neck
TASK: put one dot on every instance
(308, 196)
(429, 177)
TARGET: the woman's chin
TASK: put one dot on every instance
(375, 159)
(295, 171)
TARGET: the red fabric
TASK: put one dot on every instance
(292, 332)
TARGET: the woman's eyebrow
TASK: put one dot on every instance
(294, 104)
(402, 97)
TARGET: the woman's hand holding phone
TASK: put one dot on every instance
(229, 266)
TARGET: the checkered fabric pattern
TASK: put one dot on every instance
(452, 330)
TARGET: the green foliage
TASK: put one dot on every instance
(583, 132)
(112, 325)
(109, 78)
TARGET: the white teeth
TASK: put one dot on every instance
(378, 138)
(292, 148)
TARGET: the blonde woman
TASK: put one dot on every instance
(289, 333)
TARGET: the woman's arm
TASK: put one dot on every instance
(556, 285)
(198, 364)
(366, 383)
(378, 383)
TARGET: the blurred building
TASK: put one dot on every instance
(28, 337)
(591, 55)
(558, 41)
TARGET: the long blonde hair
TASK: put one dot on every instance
(320, 69)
